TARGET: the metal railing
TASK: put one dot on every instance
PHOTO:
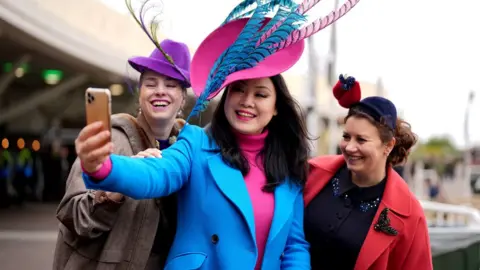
(454, 232)
(442, 215)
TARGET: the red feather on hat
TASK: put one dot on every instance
(347, 91)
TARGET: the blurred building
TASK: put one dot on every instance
(50, 52)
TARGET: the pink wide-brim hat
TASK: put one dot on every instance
(219, 40)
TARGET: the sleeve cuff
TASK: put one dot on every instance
(103, 172)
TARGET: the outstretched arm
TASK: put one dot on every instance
(146, 178)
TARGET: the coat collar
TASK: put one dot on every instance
(138, 128)
(396, 197)
(231, 183)
(135, 130)
(209, 144)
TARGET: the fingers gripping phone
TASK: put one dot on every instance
(98, 107)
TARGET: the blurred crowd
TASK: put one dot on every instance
(28, 175)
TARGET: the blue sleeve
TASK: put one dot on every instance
(147, 178)
(296, 254)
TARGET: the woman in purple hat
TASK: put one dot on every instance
(101, 230)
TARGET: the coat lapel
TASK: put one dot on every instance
(284, 202)
(322, 169)
(232, 184)
(396, 198)
(377, 242)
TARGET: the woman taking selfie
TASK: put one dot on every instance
(360, 214)
(239, 183)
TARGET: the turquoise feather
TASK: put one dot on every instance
(240, 11)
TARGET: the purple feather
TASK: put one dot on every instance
(152, 32)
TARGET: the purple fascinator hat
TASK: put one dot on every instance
(170, 58)
(178, 53)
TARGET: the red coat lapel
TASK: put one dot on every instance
(322, 169)
(396, 198)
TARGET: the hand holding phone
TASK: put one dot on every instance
(93, 144)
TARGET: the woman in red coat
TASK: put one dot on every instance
(360, 214)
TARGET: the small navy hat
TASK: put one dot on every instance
(381, 109)
(348, 93)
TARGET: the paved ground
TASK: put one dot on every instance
(27, 237)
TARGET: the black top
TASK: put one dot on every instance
(167, 224)
(166, 227)
(337, 221)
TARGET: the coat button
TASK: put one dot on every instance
(348, 202)
(215, 239)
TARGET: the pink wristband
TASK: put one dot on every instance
(103, 172)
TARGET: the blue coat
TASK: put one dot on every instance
(216, 227)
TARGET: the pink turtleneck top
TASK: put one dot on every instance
(263, 203)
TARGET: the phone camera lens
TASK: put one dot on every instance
(90, 98)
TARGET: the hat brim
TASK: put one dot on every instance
(141, 64)
(219, 40)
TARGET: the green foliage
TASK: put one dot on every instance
(438, 148)
(439, 151)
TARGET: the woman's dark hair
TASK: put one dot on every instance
(405, 139)
(286, 146)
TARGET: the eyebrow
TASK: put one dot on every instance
(155, 79)
(358, 135)
(263, 87)
(244, 84)
(170, 80)
(148, 78)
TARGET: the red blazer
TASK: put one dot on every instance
(410, 248)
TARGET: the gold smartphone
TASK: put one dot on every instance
(98, 106)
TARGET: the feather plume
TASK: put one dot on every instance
(258, 40)
(319, 23)
(240, 11)
(152, 31)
